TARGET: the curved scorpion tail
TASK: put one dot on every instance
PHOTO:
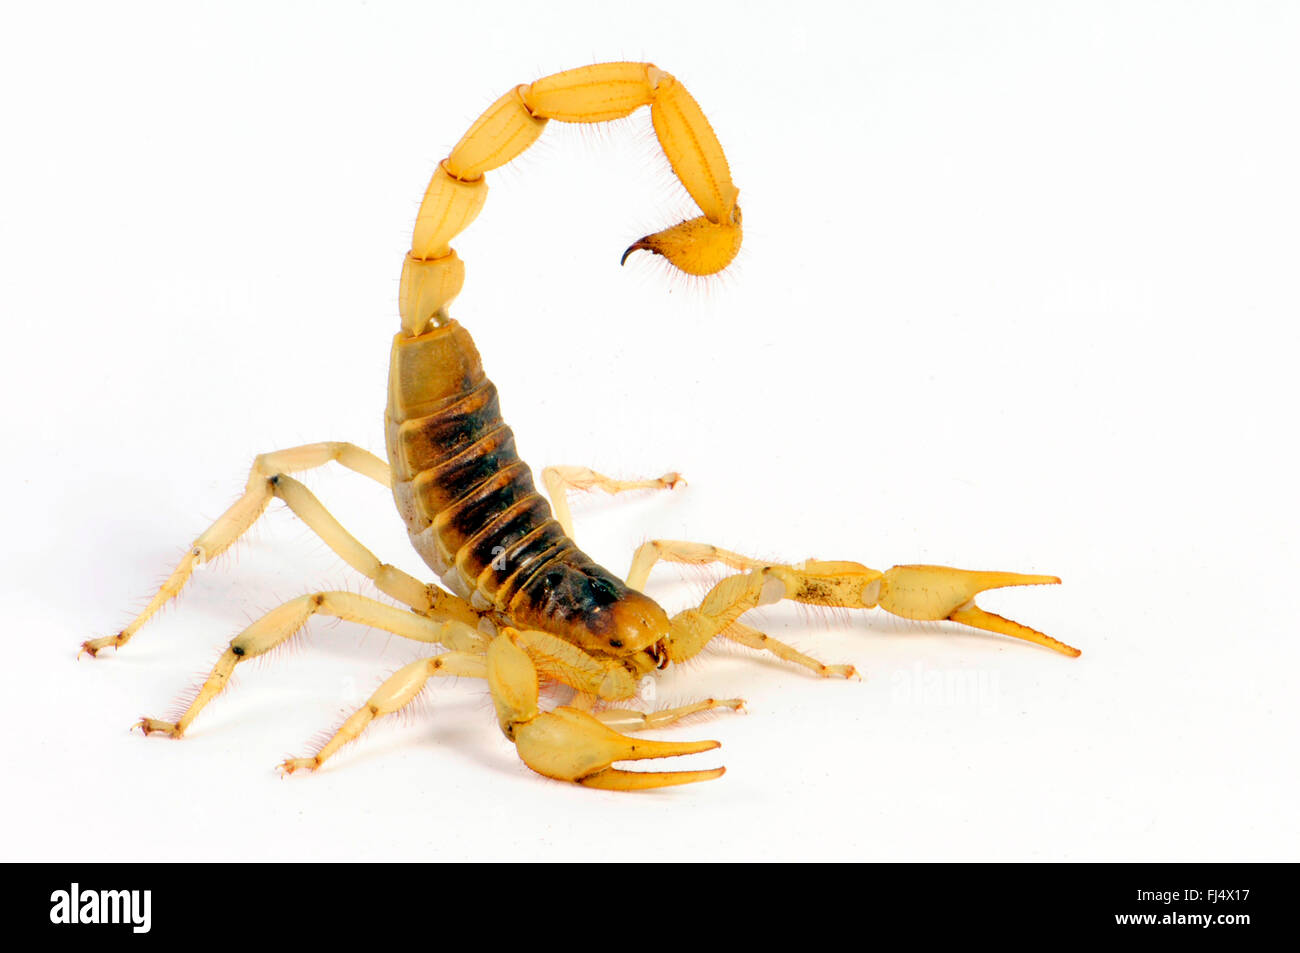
(433, 274)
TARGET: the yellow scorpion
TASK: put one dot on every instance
(521, 601)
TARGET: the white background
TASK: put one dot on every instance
(1018, 292)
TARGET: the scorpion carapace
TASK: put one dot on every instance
(521, 601)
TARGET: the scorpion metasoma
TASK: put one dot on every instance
(521, 601)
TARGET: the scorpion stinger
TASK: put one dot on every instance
(519, 600)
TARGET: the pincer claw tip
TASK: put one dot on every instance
(942, 592)
(612, 779)
(571, 745)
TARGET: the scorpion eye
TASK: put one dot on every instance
(615, 644)
(603, 592)
(552, 579)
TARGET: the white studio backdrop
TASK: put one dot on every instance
(1018, 292)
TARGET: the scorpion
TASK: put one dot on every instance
(519, 601)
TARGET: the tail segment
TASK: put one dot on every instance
(433, 274)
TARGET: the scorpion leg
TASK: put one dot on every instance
(678, 551)
(565, 744)
(397, 691)
(583, 701)
(599, 679)
(699, 554)
(625, 719)
(911, 592)
(423, 598)
(269, 478)
(754, 639)
(571, 745)
(558, 480)
(281, 623)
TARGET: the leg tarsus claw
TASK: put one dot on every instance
(153, 726)
(289, 765)
(92, 647)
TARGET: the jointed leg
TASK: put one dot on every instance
(565, 744)
(679, 551)
(558, 480)
(625, 719)
(397, 691)
(268, 479)
(388, 579)
(700, 554)
(754, 639)
(279, 624)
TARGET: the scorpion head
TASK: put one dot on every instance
(595, 610)
(641, 626)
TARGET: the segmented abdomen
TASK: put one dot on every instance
(469, 502)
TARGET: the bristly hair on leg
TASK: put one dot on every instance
(182, 701)
(185, 698)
